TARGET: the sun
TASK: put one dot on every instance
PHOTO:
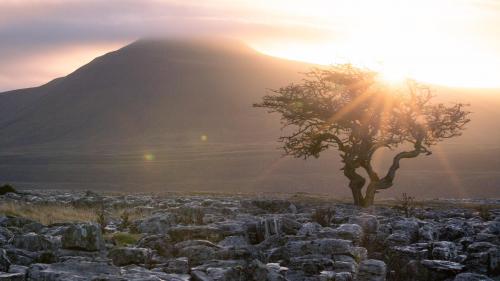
(437, 42)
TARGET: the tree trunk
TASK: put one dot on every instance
(357, 196)
(371, 189)
(356, 183)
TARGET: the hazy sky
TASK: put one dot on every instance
(451, 42)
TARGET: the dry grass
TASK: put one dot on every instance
(47, 214)
(56, 213)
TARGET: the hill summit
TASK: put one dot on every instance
(149, 89)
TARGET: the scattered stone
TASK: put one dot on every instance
(161, 243)
(33, 242)
(87, 237)
(12, 277)
(369, 223)
(178, 266)
(444, 250)
(351, 232)
(262, 272)
(471, 277)
(125, 256)
(182, 233)
(372, 270)
(72, 270)
(226, 238)
(4, 261)
(157, 224)
(438, 269)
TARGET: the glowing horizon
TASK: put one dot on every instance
(453, 43)
(449, 43)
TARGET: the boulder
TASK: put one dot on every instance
(290, 226)
(483, 258)
(5, 235)
(444, 250)
(4, 261)
(205, 232)
(309, 229)
(454, 229)
(493, 227)
(33, 242)
(345, 266)
(33, 227)
(136, 273)
(369, 223)
(189, 215)
(372, 270)
(276, 225)
(235, 253)
(343, 276)
(15, 221)
(471, 277)
(12, 277)
(262, 272)
(397, 239)
(178, 266)
(409, 227)
(157, 224)
(72, 270)
(14, 268)
(324, 247)
(352, 232)
(404, 259)
(438, 269)
(161, 243)
(126, 255)
(230, 228)
(428, 233)
(219, 270)
(310, 264)
(233, 241)
(84, 236)
(197, 275)
(21, 257)
(198, 254)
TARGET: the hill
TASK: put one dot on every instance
(177, 115)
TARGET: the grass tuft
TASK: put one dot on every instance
(124, 238)
(48, 213)
(57, 213)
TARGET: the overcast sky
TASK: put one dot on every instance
(44, 39)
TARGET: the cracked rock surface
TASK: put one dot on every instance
(245, 238)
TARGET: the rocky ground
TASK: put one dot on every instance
(218, 237)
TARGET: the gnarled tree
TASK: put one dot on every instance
(349, 109)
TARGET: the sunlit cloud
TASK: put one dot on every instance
(44, 65)
(450, 42)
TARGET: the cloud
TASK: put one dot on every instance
(33, 29)
(57, 30)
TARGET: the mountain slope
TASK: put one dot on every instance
(149, 88)
(177, 115)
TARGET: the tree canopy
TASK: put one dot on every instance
(351, 110)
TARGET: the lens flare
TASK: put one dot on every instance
(149, 157)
